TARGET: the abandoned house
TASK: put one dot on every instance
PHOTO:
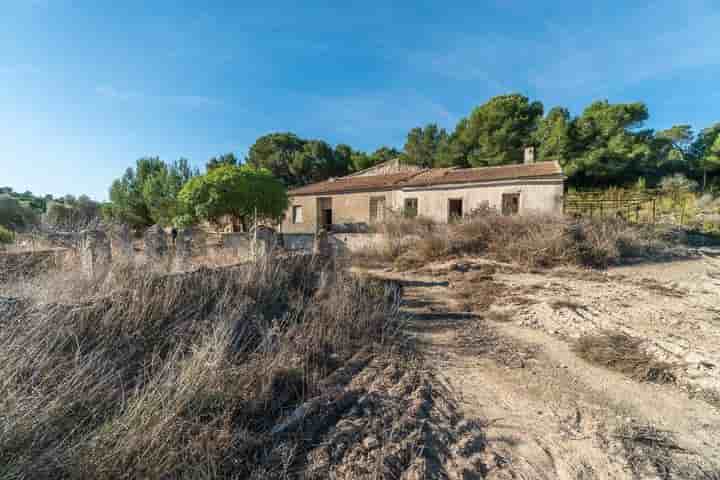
(368, 196)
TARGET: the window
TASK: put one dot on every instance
(377, 209)
(411, 207)
(297, 214)
(510, 203)
(455, 209)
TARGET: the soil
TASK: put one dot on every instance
(503, 340)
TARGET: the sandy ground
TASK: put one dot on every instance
(546, 413)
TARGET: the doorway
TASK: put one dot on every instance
(324, 213)
(510, 203)
(455, 209)
(326, 216)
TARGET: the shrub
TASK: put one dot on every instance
(529, 240)
(6, 236)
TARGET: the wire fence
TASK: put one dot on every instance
(634, 206)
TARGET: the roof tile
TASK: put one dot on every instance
(430, 177)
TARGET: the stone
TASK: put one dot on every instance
(322, 246)
(264, 240)
(95, 253)
(124, 241)
(371, 443)
(183, 248)
(156, 245)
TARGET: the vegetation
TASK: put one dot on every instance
(623, 353)
(16, 214)
(148, 194)
(179, 376)
(537, 241)
(239, 192)
(71, 214)
(6, 236)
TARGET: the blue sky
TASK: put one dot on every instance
(86, 87)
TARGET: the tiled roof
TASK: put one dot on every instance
(430, 177)
(443, 176)
(355, 184)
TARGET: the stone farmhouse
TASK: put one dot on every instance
(355, 201)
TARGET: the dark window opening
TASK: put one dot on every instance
(455, 209)
(510, 203)
(411, 207)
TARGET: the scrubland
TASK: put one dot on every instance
(495, 347)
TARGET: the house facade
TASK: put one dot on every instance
(366, 197)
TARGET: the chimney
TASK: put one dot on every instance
(529, 155)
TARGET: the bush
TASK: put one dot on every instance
(16, 215)
(6, 236)
(530, 240)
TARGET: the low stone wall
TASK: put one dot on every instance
(354, 242)
(298, 241)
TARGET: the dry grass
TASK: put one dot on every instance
(623, 353)
(176, 376)
(533, 241)
(650, 450)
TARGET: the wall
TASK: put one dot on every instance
(348, 208)
(298, 241)
(543, 196)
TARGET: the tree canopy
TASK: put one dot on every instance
(147, 194)
(237, 191)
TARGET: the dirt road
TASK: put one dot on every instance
(504, 342)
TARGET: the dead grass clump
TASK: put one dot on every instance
(649, 449)
(172, 376)
(533, 240)
(623, 353)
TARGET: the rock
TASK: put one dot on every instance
(95, 253)
(371, 443)
(124, 241)
(155, 243)
(183, 248)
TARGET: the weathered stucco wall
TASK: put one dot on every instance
(539, 196)
(309, 206)
(543, 196)
(347, 208)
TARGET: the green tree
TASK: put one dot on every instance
(6, 236)
(160, 190)
(16, 215)
(238, 191)
(275, 152)
(384, 154)
(671, 150)
(496, 132)
(554, 136)
(609, 147)
(704, 153)
(315, 161)
(147, 194)
(423, 144)
(227, 159)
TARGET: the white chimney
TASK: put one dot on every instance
(529, 155)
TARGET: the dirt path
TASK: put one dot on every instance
(548, 413)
